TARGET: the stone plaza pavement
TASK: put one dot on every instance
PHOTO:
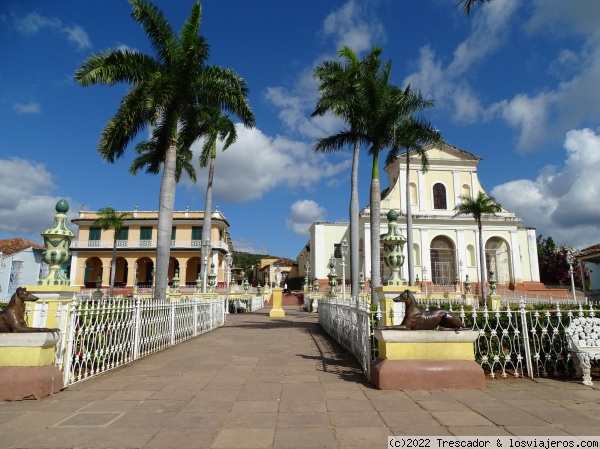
(259, 382)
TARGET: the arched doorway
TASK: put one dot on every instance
(443, 261)
(497, 260)
(193, 271)
(145, 269)
(93, 271)
(121, 271)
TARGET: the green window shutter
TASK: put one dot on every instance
(123, 233)
(146, 233)
(196, 232)
(173, 232)
(94, 234)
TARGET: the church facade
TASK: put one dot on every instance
(445, 248)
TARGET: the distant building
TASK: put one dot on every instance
(444, 247)
(20, 264)
(136, 248)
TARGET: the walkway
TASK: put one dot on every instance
(279, 383)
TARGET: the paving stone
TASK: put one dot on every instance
(244, 438)
(316, 437)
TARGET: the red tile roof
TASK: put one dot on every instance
(13, 246)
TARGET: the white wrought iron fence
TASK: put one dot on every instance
(517, 342)
(105, 333)
(349, 323)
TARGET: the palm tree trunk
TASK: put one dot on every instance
(165, 221)
(409, 231)
(482, 262)
(354, 250)
(206, 225)
(375, 221)
(113, 266)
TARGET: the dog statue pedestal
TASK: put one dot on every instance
(426, 360)
(27, 369)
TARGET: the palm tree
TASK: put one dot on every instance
(468, 4)
(477, 207)
(340, 90)
(166, 91)
(214, 125)
(413, 135)
(109, 218)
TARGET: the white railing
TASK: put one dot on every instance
(349, 323)
(106, 333)
(246, 303)
(517, 342)
(136, 244)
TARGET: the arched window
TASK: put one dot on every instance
(416, 254)
(439, 196)
(413, 193)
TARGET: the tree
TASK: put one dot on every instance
(109, 218)
(213, 125)
(166, 92)
(478, 207)
(390, 108)
(340, 90)
(413, 135)
(468, 4)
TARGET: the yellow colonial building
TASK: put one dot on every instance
(445, 247)
(136, 249)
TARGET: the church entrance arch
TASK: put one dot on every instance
(442, 254)
(497, 259)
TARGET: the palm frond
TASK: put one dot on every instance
(157, 28)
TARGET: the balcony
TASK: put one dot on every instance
(144, 244)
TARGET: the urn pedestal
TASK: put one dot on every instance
(277, 310)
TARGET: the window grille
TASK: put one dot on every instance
(439, 196)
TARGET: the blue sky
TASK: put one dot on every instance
(516, 83)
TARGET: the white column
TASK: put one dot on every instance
(319, 251)
(457, 188)
(460, 248)
(367, 249)
(474, 184)
(421, 190)
(73, 273)
(533, 258)
(517, 269)
(425, 253)
(402, 186)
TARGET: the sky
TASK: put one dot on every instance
(515, 83)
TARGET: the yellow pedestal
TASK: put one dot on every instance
(494, 302)
(277, 310)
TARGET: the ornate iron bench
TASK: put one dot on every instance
(583, 341)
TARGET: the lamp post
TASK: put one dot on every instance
(344, 252)
(425, 279)
(229, 262)
(570, 262)
(205, 250)
(307, 277)
(460, 272)
(271, 277)
(135, 280)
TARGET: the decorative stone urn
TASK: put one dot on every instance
(393, 246)
(57, 240)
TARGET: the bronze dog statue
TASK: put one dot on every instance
(416, 318)
(12, 317)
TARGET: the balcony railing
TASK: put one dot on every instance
(144, 244)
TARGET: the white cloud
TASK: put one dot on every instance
(27, 108)
(562, 203)
(247, 246)
(33, 23)
(352, 25)
(303, 213)
(26, 207)
(78, 36)
(257, 164)
(446, 85)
